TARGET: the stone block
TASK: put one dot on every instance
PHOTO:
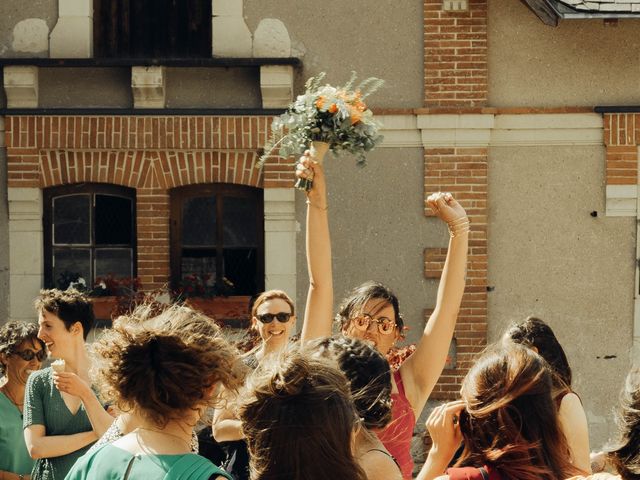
(228, 8)
(21, 86)
(271, 39)
(148, 87)
(230, 37)
(31, 36)
(72, 37)
(75, 8)
(26, 252)
(276, 85)
(23, 289)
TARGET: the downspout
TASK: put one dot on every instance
(635, 347)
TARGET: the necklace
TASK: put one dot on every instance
(162, 432)
(11, 398)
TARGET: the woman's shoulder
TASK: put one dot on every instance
(598, 476)
(39, 379)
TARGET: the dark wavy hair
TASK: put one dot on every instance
(534, 332)
(510, 421)
(299, 421)
(162, 366)
(353, 304)
(625, 457)
(14, 334)
(369, 376)
(69, 305)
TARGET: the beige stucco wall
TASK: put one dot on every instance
(4, 231)
(85, 87)
(378, 230)
(550, 258)
(379, 39)
(13, 12)
(581, 62)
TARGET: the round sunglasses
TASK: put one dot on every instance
(282, 317)
(28, 355)
(385, 325)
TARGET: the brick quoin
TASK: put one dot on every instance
(455, 55)
(621, 135)
(463, 172)
(151, 154)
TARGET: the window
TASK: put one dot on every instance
(89, 232)
(152, 28)
(217, 234)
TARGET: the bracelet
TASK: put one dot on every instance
(459, 227)
(325, 208)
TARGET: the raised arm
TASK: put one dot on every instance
(72, 384)
(421, 370)
(319, 309)
(226, 426)
(575, 427)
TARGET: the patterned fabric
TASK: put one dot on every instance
(43, 405)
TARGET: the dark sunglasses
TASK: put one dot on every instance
(28, 355)
(282, 317)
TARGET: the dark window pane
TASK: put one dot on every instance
(117, 262)
(240, 222)
(199, 222)
(113, 220)
(71, 220)
(240, 266)
(70, 264)
(198, 262)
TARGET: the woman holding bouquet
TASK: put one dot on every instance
(371, 312)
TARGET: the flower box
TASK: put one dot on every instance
(228, 311)
(104, 307)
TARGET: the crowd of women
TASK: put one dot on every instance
(322, 407)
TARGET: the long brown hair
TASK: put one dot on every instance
(299, 422)
(626, 456)
(510, 422)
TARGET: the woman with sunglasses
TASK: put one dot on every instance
(21, 353)
(273, 318)
(62, 414)
(371, 312)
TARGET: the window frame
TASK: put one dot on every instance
(177, 198)
(51, 193)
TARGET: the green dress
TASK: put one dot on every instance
(43, 405)
(14, 456)
(112, 463)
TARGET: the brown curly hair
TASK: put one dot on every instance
(14, 334)
(163, 366)
(298, 417)
(69, 305)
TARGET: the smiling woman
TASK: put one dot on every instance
(21, 353)
(62, 415)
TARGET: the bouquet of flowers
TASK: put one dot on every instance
(324, 118)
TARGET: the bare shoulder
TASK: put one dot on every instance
(571, 407)
(442, 477)
(379, 466)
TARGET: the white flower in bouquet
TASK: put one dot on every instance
(336, 116)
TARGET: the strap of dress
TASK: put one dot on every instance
(398, 379)
(386, 453)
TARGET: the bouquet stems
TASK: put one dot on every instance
(318, 151)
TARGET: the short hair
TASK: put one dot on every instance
(353, 304)
(368, 372)
(162, 366)
(14, 334)
(270, 295)
(70, 306)
(625, 456)
(299, 421)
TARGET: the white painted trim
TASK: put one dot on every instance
(148, 86)
(21, 86)
(280, 229)
(548, 129)
(400, 131)
(25, 251)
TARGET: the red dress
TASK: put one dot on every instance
(473, 473)
(397, 436)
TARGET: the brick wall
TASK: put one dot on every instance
(463, 172)
(455, 55)
(150, 154)
(621, 136)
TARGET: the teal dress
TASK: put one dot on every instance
(112, 463)
(43, 405)
(14, 456)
